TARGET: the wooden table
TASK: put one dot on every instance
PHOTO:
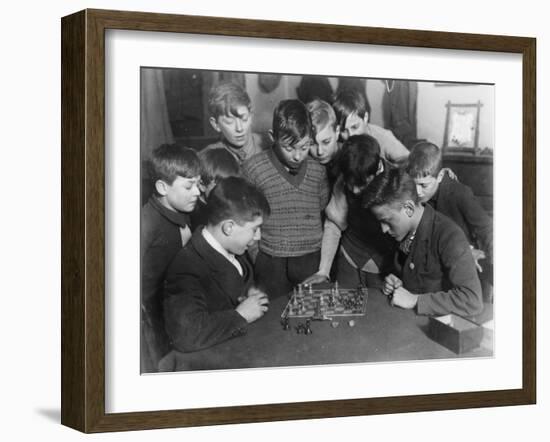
(385, 333)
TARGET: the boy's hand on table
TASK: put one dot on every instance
(391, 282)
(478, 254)
(253, 306)
(403, 298)
(316, 278)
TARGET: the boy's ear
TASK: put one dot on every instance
(380, 167)
(214, 124)
(271, 136)
(409, 208)
(161, 187)
(366, 117)
(227, 227)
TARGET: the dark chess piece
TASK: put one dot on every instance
(286, 325)
(308, 330)
(300, 328)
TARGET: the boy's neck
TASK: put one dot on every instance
(164, 203)
(416, 218)
(217, 234)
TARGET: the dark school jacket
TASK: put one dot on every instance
(160, 242)
(201, 292)
(440, 268)
(458, 202)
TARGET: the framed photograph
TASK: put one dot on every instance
(462, 127)
(135, 82)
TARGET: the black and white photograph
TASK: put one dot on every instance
(300, 220)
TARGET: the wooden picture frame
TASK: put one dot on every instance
(83, 220)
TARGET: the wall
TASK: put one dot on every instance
(30, 225)
(432, 111)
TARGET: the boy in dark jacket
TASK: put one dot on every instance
(457, 201)
(434, 268)
(175, 175)
(209, 293)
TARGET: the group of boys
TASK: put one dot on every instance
(236, 225)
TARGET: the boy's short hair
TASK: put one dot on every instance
(291, 121)
(312, 87)
(358, 159)
(237, 199)
(425, 159)
(216, 164)
(322, 115)
(225, 98)
(391, 186)
(349, 101)
(168, 161)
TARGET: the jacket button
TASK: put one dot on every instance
(411, 266)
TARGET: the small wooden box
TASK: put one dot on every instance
(455, 332)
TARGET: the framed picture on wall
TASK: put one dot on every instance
(126, 94)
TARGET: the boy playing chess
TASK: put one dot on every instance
(209, 291)
(435, 272)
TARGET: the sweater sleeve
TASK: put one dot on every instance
(464, 297)
(189, 323)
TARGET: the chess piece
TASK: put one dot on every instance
(310, 289)
(286, 325)
(308, 330)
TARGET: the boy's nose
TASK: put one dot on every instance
(239, 125)
(385, 228)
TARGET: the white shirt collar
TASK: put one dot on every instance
(214, 243)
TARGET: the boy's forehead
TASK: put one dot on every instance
(325, 130)
(238, 111)
(386, 210)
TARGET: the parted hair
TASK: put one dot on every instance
(425, 159)
(168, 161)
(237, 199)
(358, 160)
(349, 101)
(391, 186)
(225, 98)
(322, 115)
(291, 121)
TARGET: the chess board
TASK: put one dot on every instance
(327, 302)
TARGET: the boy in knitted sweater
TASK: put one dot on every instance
(297, 190)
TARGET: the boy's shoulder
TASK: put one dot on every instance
(450, 186)
(436, 225)
(256, 159)
(158, 221)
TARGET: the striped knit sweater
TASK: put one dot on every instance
(295, 227)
